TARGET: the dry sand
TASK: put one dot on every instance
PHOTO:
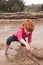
(17, 56)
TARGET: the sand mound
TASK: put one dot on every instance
(23, 57)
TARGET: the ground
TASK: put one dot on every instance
(17, 56)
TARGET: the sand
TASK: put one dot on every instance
(17, 56)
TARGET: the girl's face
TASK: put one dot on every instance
(27, 32)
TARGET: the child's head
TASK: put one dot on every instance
(28, 25)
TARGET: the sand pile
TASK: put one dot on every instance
(23, 57)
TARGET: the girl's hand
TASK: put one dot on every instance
(28, 48)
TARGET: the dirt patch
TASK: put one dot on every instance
(30, 58)
(22, 57)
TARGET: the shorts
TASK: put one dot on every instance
(12, 39)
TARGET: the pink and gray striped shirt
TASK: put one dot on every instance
(21, 34)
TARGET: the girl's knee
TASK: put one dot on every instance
(8, 42)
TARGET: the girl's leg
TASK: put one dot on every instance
(9, 40)
(6, 48)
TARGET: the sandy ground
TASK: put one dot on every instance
(17, 56)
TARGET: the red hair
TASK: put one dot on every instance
(28, 25)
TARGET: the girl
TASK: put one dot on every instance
(24, 31)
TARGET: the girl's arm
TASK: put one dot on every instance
(25, 43)
(30, 38)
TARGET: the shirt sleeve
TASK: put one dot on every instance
(30, 38)
(20, 34)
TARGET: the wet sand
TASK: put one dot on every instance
(17, 56)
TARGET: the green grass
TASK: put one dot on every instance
(33, 8)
